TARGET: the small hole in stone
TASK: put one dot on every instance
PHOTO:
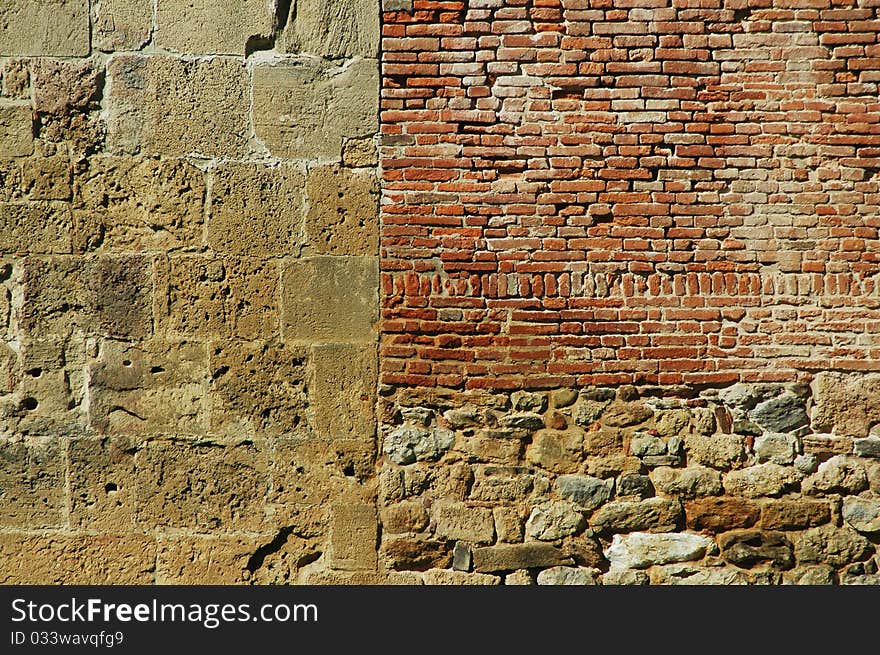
(111, 487)
(29, 403)
(35, 372)
(348, 471)
(157, 369)
(126, 362)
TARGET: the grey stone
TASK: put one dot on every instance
(525, 401)
(491, 559)
(633, 484)
(566, 575)
(563, 398)
(625, 577)
(462, 557)
(739, 396)
(408, 444)
(463, 417)
(806, 464)
(776, 448)
(840, 474)
(863, 514)
(659, 514)
(690, 482)
(554, 520)
(761, 480)
(683, 574)
(588, 412)
(524, 421)
(868, 447)
(835, 546)
(723, 451)
(417, 415)
(781, 414)
(639, 550)
(584, 490)
(645, 444)
(819, 574)
(654, 461)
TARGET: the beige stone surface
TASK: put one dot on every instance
(217, 297)
(46, 178)
(307, 109)
(43, 228)
(44, 27)
(16, 130)
(32, 474)
(343, 390)
(204, 560)
(64, 86)
(353, 537)
(256, 210)
(169, 106)
(459, 521)
(101, 482)
(122, 24)
(343, 214)
(339, 29)
(208, 27)
(16, 79)
(330, 299)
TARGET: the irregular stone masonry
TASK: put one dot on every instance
(622, 299)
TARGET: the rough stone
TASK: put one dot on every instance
(716, 515)
(777, 448)
(408, 444)
(463, 417)
(419, 554)
(460, 521)
(604, 443)
(528, 421)
(840, 474)
(32, 484)
(122, 25)
(46, 178)
(256, 210)
(343, 390)
(825, 446)
(645, 444)
(44, 28)
(868, 447)
(408, 516)
(64, 86)
(334, 29)
(625, 577)
(819, 574)
(563, 398)
(672, 423)
(784, 413)
(16, 81)
(806, 464)
(626, 414)
(554, 520)
(588, 412)
(723, 451)
(556, 451)
(16, 129)
(212, 28)
(521, 578)
(691, 482)
(633, 484)
(525, 401)
(492, 559)
(343, 214)
(509, 524)
(862, 513)
(786, 514)
(585, 491)
(459, 578)
(36, 228)
(178, 107)
(846, 405)
(748, 548)
(101, 478)
(567, 575)
(462, 557)
(354, 533)
(761, 480)
(639, 550)
(683, 574)
(828, 544)
(330, 299)
(655, 514)
(358, 153)
(308, 109)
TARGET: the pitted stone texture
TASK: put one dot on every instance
(846, 405)
(684, 574)
(44, 28)
(690, 482)
(862, 513)
(408, 516)
(459, 578)
(16, 129)
(257, 388)
(459, 521)
(16, 82)
(217, 297)
(44, 228)
(783, 413)
(760, 480)
(32, 474)
(720, 451)
(205, 560)
(654, 514)
(46, 178)
(101, 479)
(777, 448)
(868, 447)
(256, 210)
(206, 27)
(54, 559)
(353, 537)
(343, 214)
(61, 87)
(122, 24)
(408, 444)
(721, 514)
(335, 30)
(343, 390)
(202, 486)
(308, 109)
(828, 544)
(786, 514)
(408, 554)
(819, 574)
(556, 451)
(748, 548)
(841, 474)
(148, 388)
(138, 204)
(330, 299)
(554, 520)
(567, 575)
(639, 550)
(173, 107)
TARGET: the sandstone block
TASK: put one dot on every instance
(721, 514)
(43, 228)
(330, 299)
(683, 574)
(61, 87)
(846, 405)
(654, 514)
(44, 28)
(16, 129)
(723, 451)
(509, 525)
(459, 521)
(748, 548)
(827, 544)
(458, 578)
(122, 24)
(690, 482)
(16, 81)
(32, 478)
(212, 28)
(794, 514)
(217, 297)
(360, 152)
(417, 554)
(554, 520)
(343, 390)
(173, 107)
(862, 513)
(553, 450)
(205, 561)
(584, 490)
(492, 559)
(343, 215)
(256, 210)
(841, 474)
(101, 481)
(408, 516)
(761, 480)
(307, 110)
(568, 575)
(336, 30)
(354, 534)
(46, 178)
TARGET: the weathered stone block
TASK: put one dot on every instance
(408, 516)
(138, 204)
(43, 228)
(330, 299)
(567, 575)
(32, 479)
(150, 387)
(101, 480)
(212, 28)
(336, 30)
(654, 514)
(343, 215)
(55, 559)
(61, 87)
(841, 474)
(509, 524)
(206, 561)
(16, 81)
(16, 129)
(761, 480)
(584, 490)
(553, 450)
(256, 210)
(723, 451)
(343, 390)
(491, 559)
(721, 514)
(217, 297)
(748, 548)
(354, 535)
(458, 578)
(847, 405)
(257, 388)
(794, 514)
(461, 521)
(862, 513)
(640, 550)
(169, 106)
(690, 482)
(46, 178)
(308, 109)
(360, 152)
(201, 486)
(836, 546)
(44, 27)
(122, 24)
(554, 520)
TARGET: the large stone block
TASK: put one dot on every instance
(256, 210)
(46, 178)
(460, 521)
(55, 559)
(330, 299)
(342, 29)
(343, 215)
(148, 388)
(257, 388)
(205, 560)
(43, 228)
(61, 87)
(101, 481)
(32, 478)
(217, 297)
(354, 536)
(44, 27)
(122, 24)
(138, 204)
(16, 129)
(492, 559)
(845, 405)
(110, 296)
(202, 486)
(169, 106)
(308, 109)
(343, 390)
(210, 27)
